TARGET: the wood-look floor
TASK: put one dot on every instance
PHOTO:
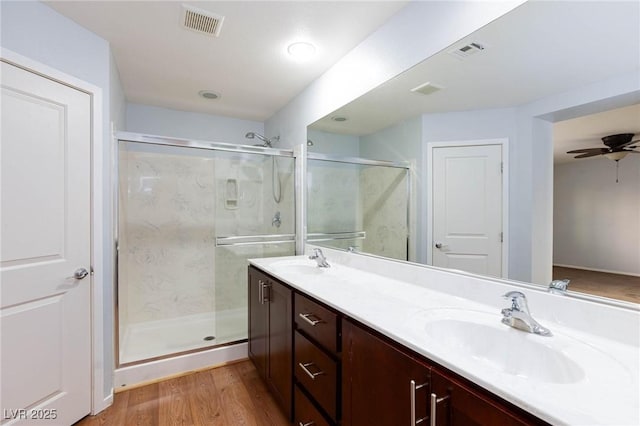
(615, 286)
(232, 395)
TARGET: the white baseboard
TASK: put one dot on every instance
(103, 405)
(164, 368)
(608, 271)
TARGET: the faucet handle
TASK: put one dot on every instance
(514, 295)
(559, 286)
(518, 300)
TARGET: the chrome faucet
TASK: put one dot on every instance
(318, 256)
(518, 316)
(559, 286)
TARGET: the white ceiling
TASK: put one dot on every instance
(539, 49)
(163, 64)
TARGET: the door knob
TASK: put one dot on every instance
(438, 245)
(80, 273)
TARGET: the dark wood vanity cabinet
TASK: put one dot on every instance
(317, 366)
(458, 403)
(388, 385)
(270, 335)
(381, 385)
(325, 369)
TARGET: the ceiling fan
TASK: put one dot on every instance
(618, 147)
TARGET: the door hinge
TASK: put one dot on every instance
(501, 167)
(502, 237)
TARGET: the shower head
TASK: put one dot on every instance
(267, 142)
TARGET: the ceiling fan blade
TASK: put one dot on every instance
(589, 150)
(590, 154)
(622, 145)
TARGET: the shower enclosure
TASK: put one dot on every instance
(190, 214)
(358, 204)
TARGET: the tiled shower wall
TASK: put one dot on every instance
(384, 203)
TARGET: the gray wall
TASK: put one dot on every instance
(596, 220)
(192, 125)
(37, 32)
(334, 144)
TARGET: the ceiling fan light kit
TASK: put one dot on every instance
(618, 147)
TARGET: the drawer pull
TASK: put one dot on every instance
(412, 389)
(309, 373)
(306, 424)
(313, 322)
(434, 403)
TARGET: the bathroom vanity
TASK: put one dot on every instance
(348, 345)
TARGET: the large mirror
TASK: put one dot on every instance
(484, 127)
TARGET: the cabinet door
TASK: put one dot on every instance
(280, 365)
(381, 385)
(258, 321)
(457, 404)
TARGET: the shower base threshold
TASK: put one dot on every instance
(161, 338)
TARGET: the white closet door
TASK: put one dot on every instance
(467, 208)
(45, 196)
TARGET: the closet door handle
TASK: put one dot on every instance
(434, 405)
(412, 394)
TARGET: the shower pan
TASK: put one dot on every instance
(190, 214)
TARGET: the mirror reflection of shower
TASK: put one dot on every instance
(275, 174)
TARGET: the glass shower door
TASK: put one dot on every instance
(359, 204)
(188, 220)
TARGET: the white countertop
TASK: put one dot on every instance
(601, 387)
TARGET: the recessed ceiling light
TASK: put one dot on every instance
(339, 118)
(301, 50)
(208, 94)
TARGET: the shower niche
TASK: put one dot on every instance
(189, 217)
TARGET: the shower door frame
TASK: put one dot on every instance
(359, 161)
(220, 241)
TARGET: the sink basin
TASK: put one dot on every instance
(302, 266)
(481, 338)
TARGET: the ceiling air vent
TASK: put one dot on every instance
(201, 21)
(467, 50)
(427, 88)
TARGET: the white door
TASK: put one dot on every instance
(467, 208)
(45, 196)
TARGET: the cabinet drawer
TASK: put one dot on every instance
(317, 322)
(317, 373)
(306, 413)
